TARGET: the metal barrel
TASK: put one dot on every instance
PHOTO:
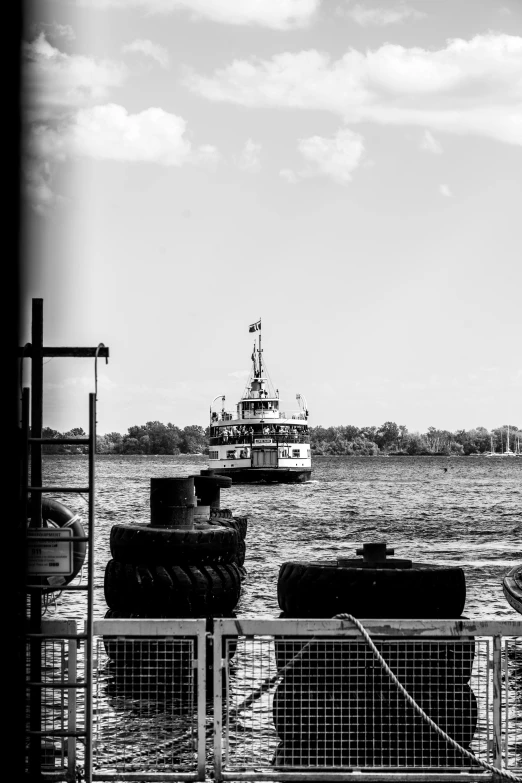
(172, 502)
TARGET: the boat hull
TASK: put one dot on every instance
(268, 475)
(512, 587)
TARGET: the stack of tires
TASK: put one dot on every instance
(181, 565)
(336, 706)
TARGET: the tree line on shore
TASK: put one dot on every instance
(390, 438)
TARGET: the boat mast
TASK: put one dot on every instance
(259, 351)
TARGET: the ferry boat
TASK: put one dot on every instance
(258, 441)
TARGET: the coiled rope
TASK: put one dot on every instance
(500, 772)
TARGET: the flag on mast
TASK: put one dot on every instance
(255, 327)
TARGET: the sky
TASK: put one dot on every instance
(349, 172)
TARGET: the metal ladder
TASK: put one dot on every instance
(34, 635)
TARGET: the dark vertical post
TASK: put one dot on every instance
(23, 576)
(35, 703)
(36, 410)
(90, 597)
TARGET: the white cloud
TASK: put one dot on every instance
(149, 49)
(275, 14)
(289, 176)
(445, 191)
(249, 159)
(109, 132)
(466, 87)
(364, 15)
(62, 122)
(54, 80)
(335, 158)
(430, 144)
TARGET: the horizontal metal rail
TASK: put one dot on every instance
(59, 685)
(375, 627)
(77, 636)
(57, 733)
(146, 627)
(102, 352)
(60, 441)
(80, 490)
(57, 587)
(68, 540)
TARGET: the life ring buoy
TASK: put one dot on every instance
(56, 514)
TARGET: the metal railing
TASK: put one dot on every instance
(259, 413)
(150, 700)
(283, 700)
(306, 699)
(59, 687)
(260, 438)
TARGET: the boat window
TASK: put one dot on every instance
(213, 454)
(296, 453)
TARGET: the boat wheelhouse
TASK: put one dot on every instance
(258, 441)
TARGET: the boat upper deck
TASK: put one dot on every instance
(236, 431)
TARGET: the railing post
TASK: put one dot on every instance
(90, 596)
(72, 676)
(201, 705)
(497, 701)
(218, 702)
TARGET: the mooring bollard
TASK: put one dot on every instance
(172, 502)
(335, 704)
(178, 566)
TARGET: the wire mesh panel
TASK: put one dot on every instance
(54, 725)
(512, 713)
(147, 699)
(299, 702)
(250, 674)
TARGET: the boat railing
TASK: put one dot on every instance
(267, 413)
(276, 439)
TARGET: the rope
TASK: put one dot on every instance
(500, 772)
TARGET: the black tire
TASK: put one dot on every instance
(241, 525)
(328, 661)
(239, 556)
(324, 590)
(235, 523)
(136, 543)
(220, 513)
(174, 590)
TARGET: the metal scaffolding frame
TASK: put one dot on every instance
(34, 634)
